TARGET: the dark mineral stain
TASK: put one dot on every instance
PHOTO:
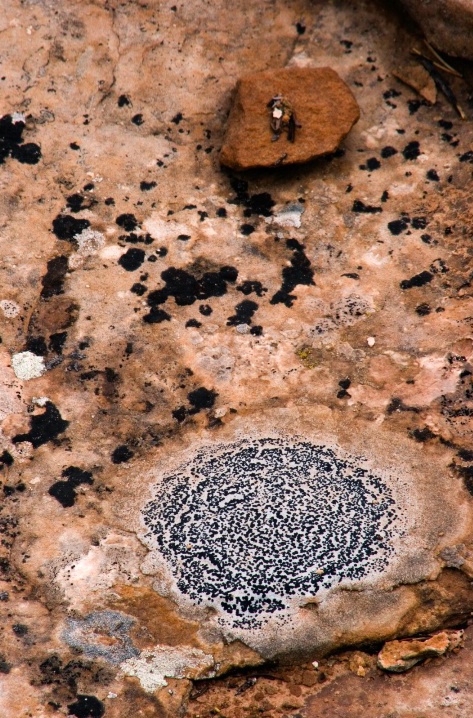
(127, 221)
(132, 259)
(422, 435)
(11, 142)
(20, 629)
(250, 286)
(202, 398)
(86, 707)
(418, 280)
(53, 280)
(351, 275)
(411, 151)
(300, 272)
(361, 207)
(66, 227)
(44, 427)
(65, 491)
(121, 454)
(397, 226)
(243, 313)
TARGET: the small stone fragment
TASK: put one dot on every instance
(322, 112)
(417, 77)
(400, 656)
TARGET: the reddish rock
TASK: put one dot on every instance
(323, 105)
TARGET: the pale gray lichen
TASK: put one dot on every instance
(88, 634)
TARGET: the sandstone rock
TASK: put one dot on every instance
(419, 79)
(447, 24)
(323, 105)
(400, 656)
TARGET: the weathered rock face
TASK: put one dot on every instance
(400, 656)
(323, 106)
(159, 313)
(447, 24)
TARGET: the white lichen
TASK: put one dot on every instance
(153, 667)
(27, 365)
(9, 308)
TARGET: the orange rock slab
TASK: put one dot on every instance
(323, 104)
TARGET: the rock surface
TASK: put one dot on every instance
(447, 24)
(170, 310)
(323, 104)
(400, 656)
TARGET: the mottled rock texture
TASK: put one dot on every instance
(323, 106)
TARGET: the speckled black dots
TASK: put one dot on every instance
(248, 526)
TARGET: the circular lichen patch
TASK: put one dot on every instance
(251, 527)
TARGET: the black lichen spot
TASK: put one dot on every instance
(27, 154)
(422, 435)
(251, 286)
(388, 151)
(186, 289)
(146, 186)
(261, 203)
(11, 142)
(229, 274)
(74, 146)
(361, 207)
(397, 226)
(75, 202)
(184, 237)
(426, 238)
(221, 212)
(246, 527)
(57, 341)
(132, 259)
(411, 151)
(177, 118)
(156, 316)
(66, 227)
(244, 312)
(139, 289)
(432, 175)
(86, 707)
(123, 100)
(300, 272)
(5, 667)
(257, 330)
(300, 27)
(351, 275)
(44, 427)
(206, 310)
(193, 323)
(65, 491)
(179, 414)
(417, 280)
(371, 164)
(137, 119)
(247, 229)
(423, 310)
(419, 222)
(121, 454)
(6, 459)
(109, 201)
(127, 221)
(202, 398)
(20, 629)
(467, 157)
(37, 345)
(53, 280)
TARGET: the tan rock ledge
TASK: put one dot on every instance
(324, 111)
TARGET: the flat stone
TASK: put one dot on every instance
(323, 104)
(400, 656)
